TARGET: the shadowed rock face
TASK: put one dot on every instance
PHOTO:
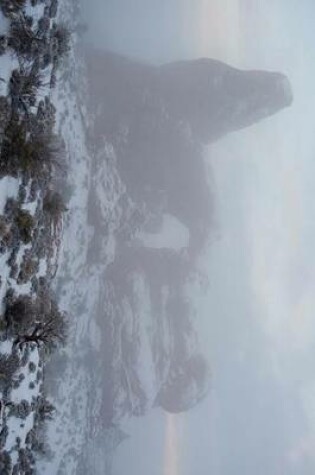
(216, 99)
(187, 385)
(212, 97)
(157, 118)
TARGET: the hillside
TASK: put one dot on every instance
(121, 255)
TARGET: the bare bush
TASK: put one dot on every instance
(23, 40)
(5, 111)
(19, 314)
(10, 7)
(3, 44)
(37, 321)
(45, 409)
(25, 223)
(54, 207)
(60, 40)
(24, 151)
(9, 364)
(23, 87)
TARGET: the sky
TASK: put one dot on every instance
(263, 384)
(257, 317)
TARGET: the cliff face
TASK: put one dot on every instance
(210, 96)
(215, 98)
(157, 120)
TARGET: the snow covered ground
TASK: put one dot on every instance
(74, 435)
(171, 235)
(20, 393)
(24, 393)
(77, 284)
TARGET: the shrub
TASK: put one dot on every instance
(26, 462)
(39, 321)
(54, 206)
(32, 367)
(45, 117)
(3, 44)
(45, 151)
(23, 87)
(22, 39)
(29, 267)
(61, 40)
(5, 463)
(9, 364)
(45, 410)
(53, 8)
(19, 314)
(29, 151)
(3, 436)
(21, 410)
(14, 146)
(9, 7)
(25, 223)
(4, 112)
(3, 226)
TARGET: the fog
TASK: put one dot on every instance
(152, 31)
(202, 177)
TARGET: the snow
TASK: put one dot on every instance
(9, 188)
(6, 347)
(18, 427)
(172, 235)
(4, 25)
(95, 335)
(4, 273)
(7, 281)
(78, 395)
(77, 286)
(7, 64)
(35, 11)
(42, 271)
(145, 365)
(31, 206)
(78, 283)
(23, 391)
(5, 60)
(25, 385)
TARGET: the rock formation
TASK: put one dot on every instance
(158, 119)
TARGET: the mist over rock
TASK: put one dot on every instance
(216, 99)
(157, 120)
(212, 97)
(186, 386)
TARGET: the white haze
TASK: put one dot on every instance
(257, 319)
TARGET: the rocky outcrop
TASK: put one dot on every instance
(210, 96)
(157, 120)
(216, 99)
(149, 340)
(186, 386)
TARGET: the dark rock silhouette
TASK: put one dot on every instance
(158, 119)
(187, 385)
(216, 99)
(212, 97)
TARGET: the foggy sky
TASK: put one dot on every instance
(257, 319)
